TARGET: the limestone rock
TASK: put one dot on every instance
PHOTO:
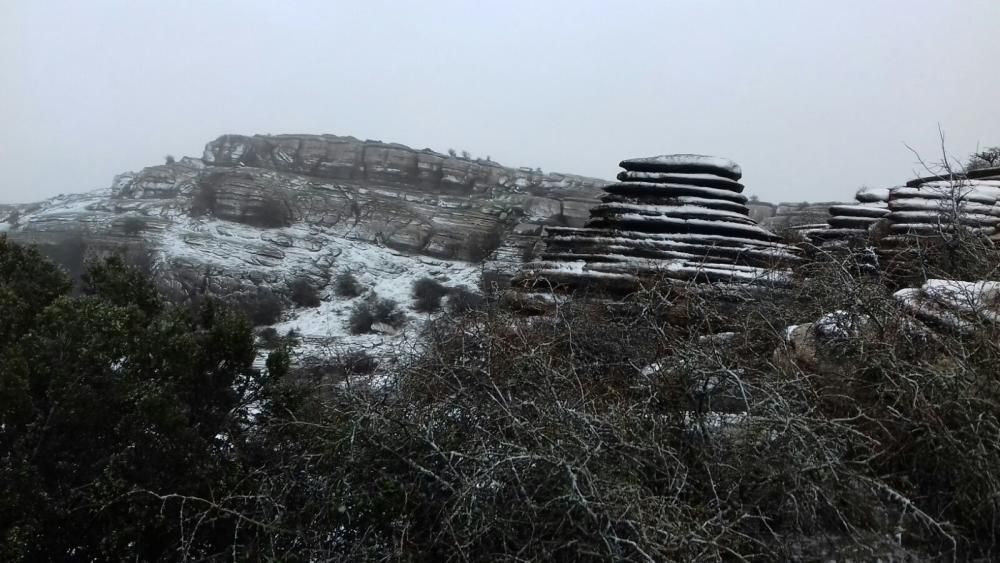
(937, 306)
(663, 219)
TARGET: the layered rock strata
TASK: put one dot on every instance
(852, 221)
(681, 217)
(945, 205)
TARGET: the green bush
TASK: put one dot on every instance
(116, 408)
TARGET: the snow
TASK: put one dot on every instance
(953, 304)
(682, 160)
(839, 324)
(671, 210)
(872, 194)
(942, 205)
(981, 298)
(679, 176)
(875, 209)
(666, 189)
(943, 217)
(653, 220)
(980, 192)
(789, 331)
(628, 237)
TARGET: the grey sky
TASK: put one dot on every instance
(813, 98)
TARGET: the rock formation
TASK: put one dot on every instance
(938, 306)
(852, 221)
(940, 206)
(257, 213)
(682, 217)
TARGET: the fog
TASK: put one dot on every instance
(814, 98)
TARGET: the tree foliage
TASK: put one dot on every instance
(116, 406)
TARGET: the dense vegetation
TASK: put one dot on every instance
(134, 429)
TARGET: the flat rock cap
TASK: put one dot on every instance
(686, 163)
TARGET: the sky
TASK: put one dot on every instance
(813, 98)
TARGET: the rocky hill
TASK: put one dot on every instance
(254, 215)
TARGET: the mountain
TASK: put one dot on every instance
(254, 215)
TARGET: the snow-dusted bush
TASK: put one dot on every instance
(304, 293)
(479, 246)
(986, 158)
(262, 307)
(376, 310)
(346, 285)
(269, 337)
(462, 300)
(133, 225)
(427, 294)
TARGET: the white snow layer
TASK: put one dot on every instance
(688, 160)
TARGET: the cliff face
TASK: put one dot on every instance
(256, 213)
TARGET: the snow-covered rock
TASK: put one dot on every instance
(681, 217)
(937, 306)
(685, 163)
(261, 212)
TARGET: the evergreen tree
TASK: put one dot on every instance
(115, 407)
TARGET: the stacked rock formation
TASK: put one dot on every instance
(682, 217)
(937, 206)
(851, 221)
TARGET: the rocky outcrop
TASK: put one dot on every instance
(938, 306)
(260, 212)
(415, 201)
(793, 216)
(940, 206)
(682, 217)
(853, 221)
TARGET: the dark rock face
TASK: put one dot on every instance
(682, 217)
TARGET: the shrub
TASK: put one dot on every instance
(269, 337)
(361, 319)
(270, 213)
(262, 307)
(357, 362)
(70, 252)
(528, 252)
(132, 226)
(346, 285)
(304, 293)
(480, 245)
(108, 402)
(376, 310)
(462, 300)
(986, 158)
(427, 294)
(204, 201)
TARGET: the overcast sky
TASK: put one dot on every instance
(812, 98)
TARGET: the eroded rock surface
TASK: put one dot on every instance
(682, 217)
(259, 212)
